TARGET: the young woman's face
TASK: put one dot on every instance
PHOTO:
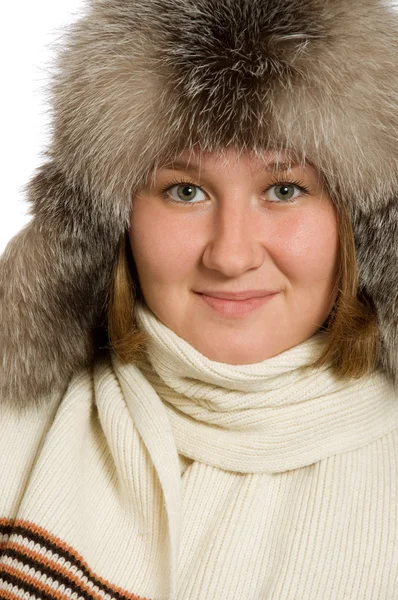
(236, 226)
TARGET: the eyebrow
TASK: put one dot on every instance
(272, 166)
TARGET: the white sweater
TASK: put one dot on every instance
(181, 478)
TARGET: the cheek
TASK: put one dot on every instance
(303, 245)
(309, 245)
(162, 244)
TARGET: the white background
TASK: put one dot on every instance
(28, 30)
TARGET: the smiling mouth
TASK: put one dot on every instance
(247, 295)
(235, 308)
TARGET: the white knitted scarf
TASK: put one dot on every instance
(269, 416)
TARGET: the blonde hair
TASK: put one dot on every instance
(352, 332)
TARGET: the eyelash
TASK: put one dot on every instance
(299, 184)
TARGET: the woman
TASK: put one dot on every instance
(158, 441)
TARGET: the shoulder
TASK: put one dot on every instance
(24, 431)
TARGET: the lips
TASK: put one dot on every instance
(236, 296)
(235, 308)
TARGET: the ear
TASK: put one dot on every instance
(55, 275)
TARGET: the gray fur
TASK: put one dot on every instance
(137, 81)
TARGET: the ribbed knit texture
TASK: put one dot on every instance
(181, 478)
(265, 417)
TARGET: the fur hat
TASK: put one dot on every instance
(137, 81)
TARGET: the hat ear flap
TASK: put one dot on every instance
(376, 242)
(55, 275)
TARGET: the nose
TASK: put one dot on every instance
(234, 245)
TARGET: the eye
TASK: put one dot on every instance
(183, 193)
(187, 193)
(284, 192)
